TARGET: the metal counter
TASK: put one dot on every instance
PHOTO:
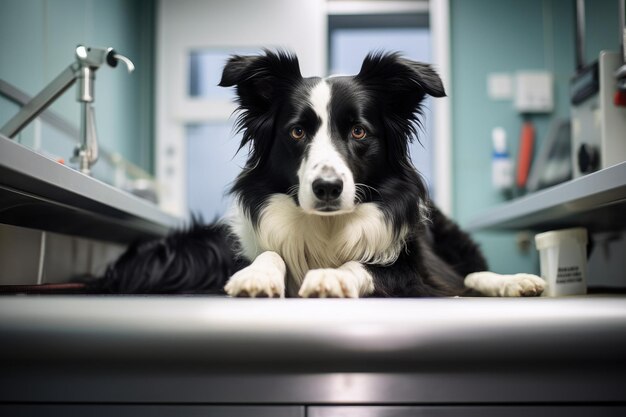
(596, 201)
(40, 193)
(223, 351)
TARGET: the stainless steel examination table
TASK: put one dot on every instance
(216, 356)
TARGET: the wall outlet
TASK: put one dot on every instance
(534, 92)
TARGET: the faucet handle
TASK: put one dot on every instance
(94, 57)
(113, 58)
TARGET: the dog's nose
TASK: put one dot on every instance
(327, 189)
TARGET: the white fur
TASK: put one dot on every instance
(243, 229)
(323, 159)
(264, 277)
(351, 280)
(307, 241)
(496, 285)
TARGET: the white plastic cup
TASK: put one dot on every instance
(563, 257)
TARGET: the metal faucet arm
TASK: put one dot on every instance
(88, 60)
(40, 102)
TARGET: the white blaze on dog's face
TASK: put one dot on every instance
(326, 183)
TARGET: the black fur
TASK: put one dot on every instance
(264, 85)
(199, 259)
(385, 97)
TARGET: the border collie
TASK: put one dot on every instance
(328, 203)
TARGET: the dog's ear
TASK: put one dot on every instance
(260, 81)
(400, 77)
(260, 78)
(399, 86)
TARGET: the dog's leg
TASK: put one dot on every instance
(351, 280)
(265, 277)
(455, 246)
(496, 285)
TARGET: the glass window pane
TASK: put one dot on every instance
(205, 73)
(212, 165)
(349, 46)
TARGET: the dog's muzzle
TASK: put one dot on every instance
(327, 189)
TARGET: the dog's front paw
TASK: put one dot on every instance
(523, 285)
(329, 283)
(255, 281)
(497, 285)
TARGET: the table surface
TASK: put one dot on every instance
(275, 345)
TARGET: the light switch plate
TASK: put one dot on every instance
(534, 92)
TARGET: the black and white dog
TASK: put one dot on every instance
(329, 203)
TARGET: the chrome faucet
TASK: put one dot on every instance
(88, 60)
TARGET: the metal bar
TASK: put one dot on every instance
(342, 7)
(40, 102)
(17, 96)
(622, 28)
(42, 258)
(580, 34)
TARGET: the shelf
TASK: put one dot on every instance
(40, 193)
(596, 201)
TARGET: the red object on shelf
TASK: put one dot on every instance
(619, 99)
(525, 155)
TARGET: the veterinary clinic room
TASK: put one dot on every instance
(313, 208)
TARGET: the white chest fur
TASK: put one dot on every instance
(307, 241)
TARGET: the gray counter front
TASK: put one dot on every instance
(216, 353)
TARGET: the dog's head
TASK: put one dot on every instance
(328, 142)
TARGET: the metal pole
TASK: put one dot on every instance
(580, 34)
(620, 74)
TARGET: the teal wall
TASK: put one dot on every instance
(505, 36)
(37, 42)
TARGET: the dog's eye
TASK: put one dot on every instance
(297, 132)
(358, 132)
